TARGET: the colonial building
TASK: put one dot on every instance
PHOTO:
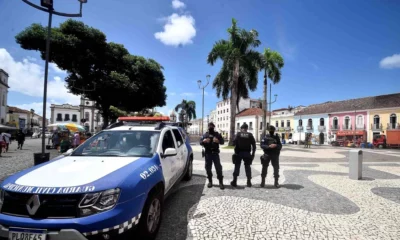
(283, 121)
(3, 95)
(253, 118)
(222, 122)
(23, 119)
(195, 128)
(86, 111)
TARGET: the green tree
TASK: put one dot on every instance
(188, 111)
(116, 77)
(272, 62)
(115, 113)
(239, 70)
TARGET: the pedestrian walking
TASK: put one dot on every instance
(20, 139)
(7, 139)
(56, 140)
(211, 141)
(245, 149)
(271, 145)
(76, 140)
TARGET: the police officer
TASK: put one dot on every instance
(271, 144)
(245, 148)
(211, 141)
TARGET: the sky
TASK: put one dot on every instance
(333, 50)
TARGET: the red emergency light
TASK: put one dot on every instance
(147, 119)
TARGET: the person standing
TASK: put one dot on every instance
(271, 144)
(20, 139)
(211, 141)
(56, 140)
(77, 140)
(245, 148)
(6, 137)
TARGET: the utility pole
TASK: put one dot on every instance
(202, 112)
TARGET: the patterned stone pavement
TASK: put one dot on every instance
(317, 200)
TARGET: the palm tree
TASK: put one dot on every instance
(188, 111)
(272, 62)
(239, 70)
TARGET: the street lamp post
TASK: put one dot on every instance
(47, 6)
(270, 102)
(202, 112)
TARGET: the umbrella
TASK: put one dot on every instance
(73, 127)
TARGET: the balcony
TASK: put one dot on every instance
(300, 128)
(309, 127)
(347, 127)
(360, 127)
(288, 129)
(334, 127)
(321, 128)
(393, 126)
(376, 127)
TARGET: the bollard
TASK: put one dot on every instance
(355, 164)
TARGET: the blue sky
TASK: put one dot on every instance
(333, 50)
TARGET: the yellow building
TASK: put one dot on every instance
(283, 121)
(380, 120)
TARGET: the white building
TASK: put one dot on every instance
(253, 118)
(195, 128)
(66, 113)
(283, 121)
(222, 121)
(3, 95)
(213, 116)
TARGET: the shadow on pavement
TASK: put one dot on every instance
(174, 225)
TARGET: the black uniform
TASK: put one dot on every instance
(270, 155)
(245, 148)
(20, 139)
(212, 155)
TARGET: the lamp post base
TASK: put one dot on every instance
(39, 158)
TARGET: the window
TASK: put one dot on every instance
(4, 99)
(347, 122)
(59, 117)
(276, 124)
(288, 123)
(178, 137)
(66, 117)
(251, 126)
(282, 123)
(74, 118)
(227, 110)
(335, 122)
(168, 141)
(393, 121)
(238, 125)
(360, 121)
(261, 125)
(322, 122)
(300, 122)
(224, 110)
(87, 116)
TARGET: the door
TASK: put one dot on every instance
(169, 164)
(182, 150)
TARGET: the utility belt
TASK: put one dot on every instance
(266, 156)
(236, 157)
(205, 152)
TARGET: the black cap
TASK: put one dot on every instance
(244, 126)
(271, 128)
(211, 124)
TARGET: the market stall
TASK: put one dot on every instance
(347, 138)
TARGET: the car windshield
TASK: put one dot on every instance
(120, 144)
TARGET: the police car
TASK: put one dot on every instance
(110, 187)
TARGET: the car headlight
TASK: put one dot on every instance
(1, 198)
(93, 203)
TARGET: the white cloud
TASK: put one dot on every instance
(172, 93)
(176, 4)
(56, 69)
(27, 77)
(179, 30)
(390, 62)
(38, 107)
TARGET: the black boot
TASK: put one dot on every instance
(233, 183)
(277, 183)
(221, 184)
(262, 182)
(249, 182)
(210, 183)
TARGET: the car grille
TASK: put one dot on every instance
(51, 206)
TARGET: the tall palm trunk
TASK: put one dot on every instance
(234, 97)
(265, 105)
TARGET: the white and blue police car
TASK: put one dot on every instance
(110, 187)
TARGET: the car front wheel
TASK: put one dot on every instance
(189, 171)
(151, 216)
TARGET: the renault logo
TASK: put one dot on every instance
(33, 204)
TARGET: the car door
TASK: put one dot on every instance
(169, 164)
(182, 150)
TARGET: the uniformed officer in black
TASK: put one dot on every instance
(211, 141)
(271, 144)
(245, 148)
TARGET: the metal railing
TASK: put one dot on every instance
(300, 128)
(321, 128)
(376, 127)
(287, 129)
(360, 127)
(335, 127)
(309, 127)
(393, 126)
(347, 127)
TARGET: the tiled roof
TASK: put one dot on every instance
(19, 110)
(376, 102)
(251, 112)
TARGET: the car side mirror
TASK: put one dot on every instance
(69, 152)
(169, 152)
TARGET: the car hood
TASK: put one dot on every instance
(74, 174)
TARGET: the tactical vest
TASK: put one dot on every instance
(244, 142)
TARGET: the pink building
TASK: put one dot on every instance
(348, 124)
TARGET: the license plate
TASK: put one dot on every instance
(26, 234)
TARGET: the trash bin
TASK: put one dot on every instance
(40, 158)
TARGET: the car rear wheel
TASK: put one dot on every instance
(150, 220)
(189, 171)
